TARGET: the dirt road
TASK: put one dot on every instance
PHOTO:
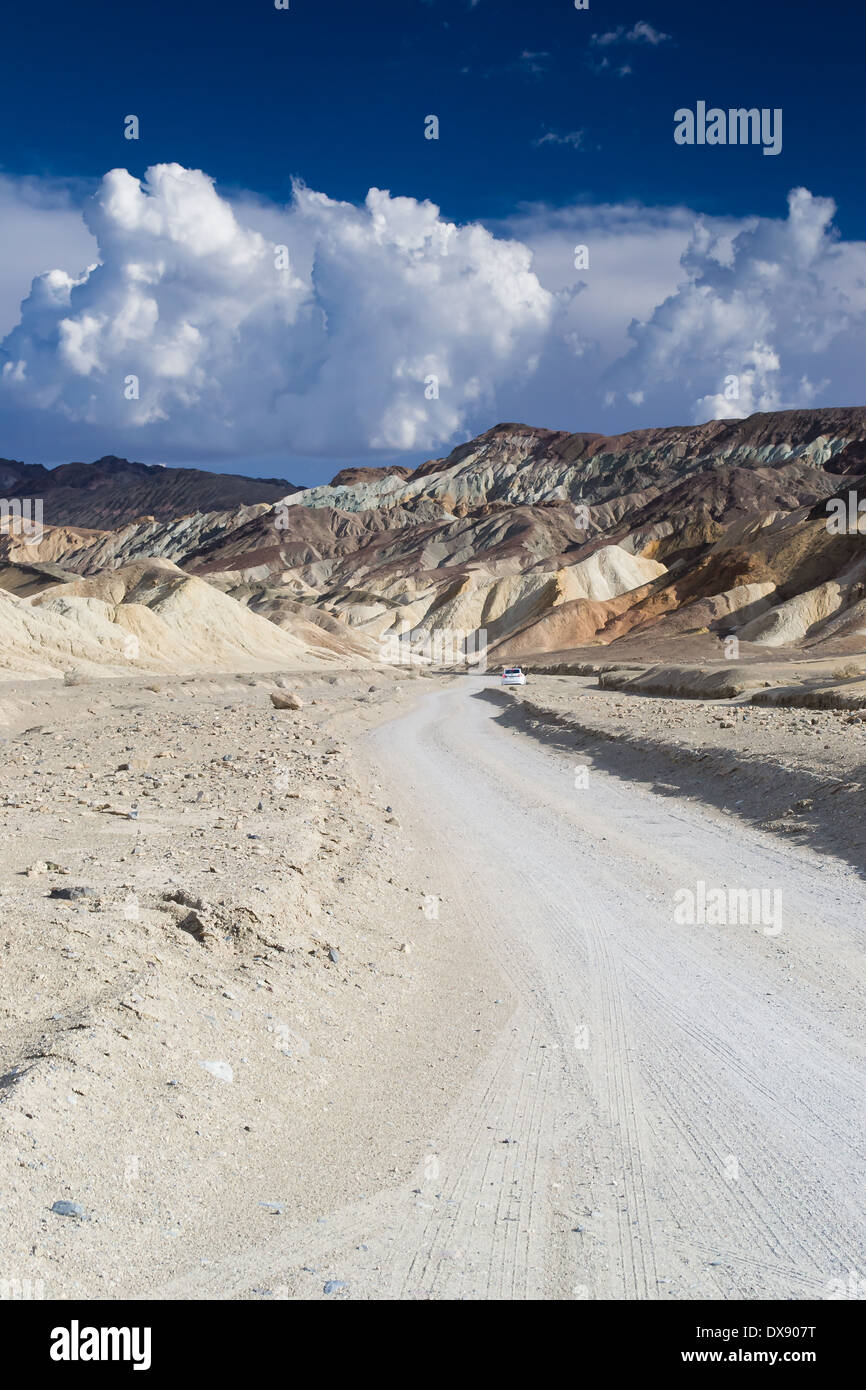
(671, 1109)
(674, 1109)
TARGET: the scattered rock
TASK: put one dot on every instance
(64, 1208)
(221, 1071)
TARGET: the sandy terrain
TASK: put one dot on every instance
(241, 895)
(384, 997)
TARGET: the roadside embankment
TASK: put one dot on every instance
(795, 773)
(806, 684)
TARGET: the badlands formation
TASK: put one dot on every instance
(640, 550)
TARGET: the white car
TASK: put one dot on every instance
(512, 675)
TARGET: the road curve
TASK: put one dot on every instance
(683, 1103)
(670, 1110)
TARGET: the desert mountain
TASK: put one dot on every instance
(112, 491)
(656, 542)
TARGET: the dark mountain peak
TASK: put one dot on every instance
(114, 491)
(347, 476)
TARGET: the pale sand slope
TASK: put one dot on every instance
(148, 616)
(788, 623)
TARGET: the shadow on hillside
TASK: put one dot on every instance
(755, 789)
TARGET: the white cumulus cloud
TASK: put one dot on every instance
(772, 318)
(262, 333)
(42, 226)
(378, 327)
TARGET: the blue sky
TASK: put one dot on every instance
(556, 127)
(335, 93)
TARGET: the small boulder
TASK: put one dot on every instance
(285, 699)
